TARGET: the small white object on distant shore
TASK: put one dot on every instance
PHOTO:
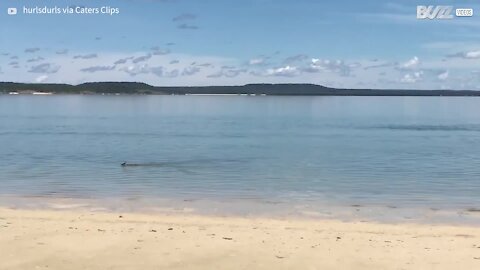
(29, 92)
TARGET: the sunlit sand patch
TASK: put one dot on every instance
(172, 209)
(315, 213)
(64, 206)
(98, 209)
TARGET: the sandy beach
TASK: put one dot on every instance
(44, 239)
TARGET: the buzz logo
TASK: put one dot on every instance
(434, 12)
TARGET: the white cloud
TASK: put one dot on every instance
(176, 69)
(335, 66)
(287, 71)
(412, 77)
(134, 70)
(475, 54)
(410, 64)
(257, 61)
(41, 78)
(443, 76)
(472, 54)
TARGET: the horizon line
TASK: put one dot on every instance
(239, 85)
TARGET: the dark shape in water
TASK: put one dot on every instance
(125, 164)
(184, 166)
(183, 163)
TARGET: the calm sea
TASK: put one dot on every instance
(243, 153)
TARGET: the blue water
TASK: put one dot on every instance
(381, 151)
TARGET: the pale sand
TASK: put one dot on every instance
(84, 240)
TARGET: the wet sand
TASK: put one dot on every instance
(71, 239)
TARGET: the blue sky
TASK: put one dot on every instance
(357, 44)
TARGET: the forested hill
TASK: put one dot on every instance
(250, 89)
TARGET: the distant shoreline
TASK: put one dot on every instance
(135, 88)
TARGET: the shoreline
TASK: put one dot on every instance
(79, 239)
(286, 89)
(253, 208)
(43, 94)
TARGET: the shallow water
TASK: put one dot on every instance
(320, 152)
